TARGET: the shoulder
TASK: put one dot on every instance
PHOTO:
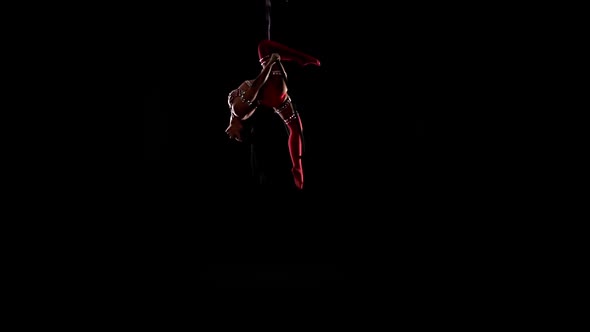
(241, 88)
(246, 84)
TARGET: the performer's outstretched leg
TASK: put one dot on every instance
(267, 47)
(291, 118)
(296, 150)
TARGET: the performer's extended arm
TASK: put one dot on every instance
(243, 100)
(243, 106)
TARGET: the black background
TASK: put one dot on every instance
(363, 109)
(380, 175)
(409, 156)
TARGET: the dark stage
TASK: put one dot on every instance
(367, 151)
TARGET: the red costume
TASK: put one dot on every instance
(265, 49)
(274, 95)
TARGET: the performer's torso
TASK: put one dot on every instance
(274, 91)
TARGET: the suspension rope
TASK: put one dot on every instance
(268, 5)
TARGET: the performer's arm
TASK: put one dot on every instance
(243, 106)
(242, 101)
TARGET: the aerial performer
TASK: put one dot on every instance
(257, 103)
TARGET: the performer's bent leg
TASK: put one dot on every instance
(267, 47)
(291, 118)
